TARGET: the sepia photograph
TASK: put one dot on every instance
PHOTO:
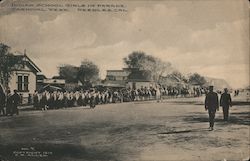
(124, 80)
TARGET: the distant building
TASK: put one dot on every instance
(128, 77)
(117, 75)
(55, 82)
(43, 82)
(24, 76)
(112, 84)
(219, 84)
(172, 81)
(116, 78)
(39, 80)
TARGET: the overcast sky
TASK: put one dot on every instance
(206, 36)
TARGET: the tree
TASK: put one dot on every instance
(88, 71)
(157, 67)
(7, 62)
(197, 79)
(179, 76)
(140, 60)
(69, 73)
(135, 59)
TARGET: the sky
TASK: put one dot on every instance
(209, 37)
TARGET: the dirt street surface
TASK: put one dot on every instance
(169, 130)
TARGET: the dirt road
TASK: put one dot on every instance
(128, 131)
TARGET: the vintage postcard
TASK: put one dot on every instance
(121, 80)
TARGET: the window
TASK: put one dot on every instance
(22, 83)
(26, 83)
(19, 83)
(112, 78)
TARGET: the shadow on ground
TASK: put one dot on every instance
(89, 141)
(184, 131)
(239, 118)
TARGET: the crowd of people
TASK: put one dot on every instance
(44, 100)
(9, 103)
(92, 97)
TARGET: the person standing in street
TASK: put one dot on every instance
(2, 102)
(158, 94)
(35, 100)
(9, 103)
(211, 104)
(92, 97)
(16, 101)
(225, 102)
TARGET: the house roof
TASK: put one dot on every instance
(51, 88)
(40, 76)
(171, 80)
(217, 83)
(108, 83)
(25, 58)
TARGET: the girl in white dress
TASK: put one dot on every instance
(158, 94)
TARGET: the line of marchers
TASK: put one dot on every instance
(19, 72)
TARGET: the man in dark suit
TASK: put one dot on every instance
(225, 102)
(211, 104)
(9, 103)
(92, 97)
(2, 102)
(16, 100)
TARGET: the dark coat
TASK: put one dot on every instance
(16, 99)
(2, 99)
(225, 100)
(9, 101)
(212, 101)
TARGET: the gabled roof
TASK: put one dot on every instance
(217, 83)
(171, 80)
(26, 59)
(51, 88)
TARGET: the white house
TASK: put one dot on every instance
(117, 75)
(129, 77)
(23, 77)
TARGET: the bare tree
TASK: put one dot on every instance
(157, 67)
(142, 61)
